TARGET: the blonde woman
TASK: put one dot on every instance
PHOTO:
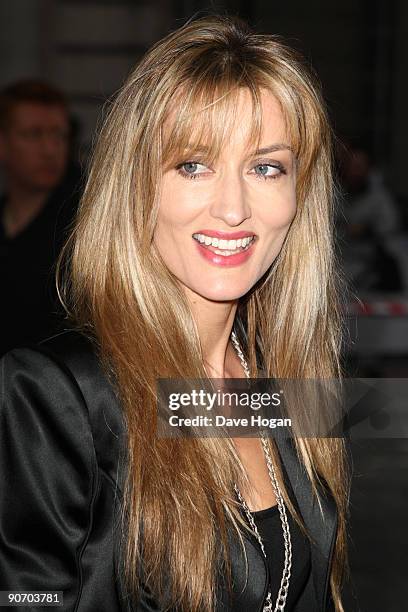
(203, 248)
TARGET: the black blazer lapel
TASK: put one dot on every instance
(320, 523)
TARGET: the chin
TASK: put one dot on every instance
(221, 294)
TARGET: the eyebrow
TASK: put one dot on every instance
(272, 148)
(263, 151)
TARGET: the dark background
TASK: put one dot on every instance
(359, 50)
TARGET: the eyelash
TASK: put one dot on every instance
(276, 165)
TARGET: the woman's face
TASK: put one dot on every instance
(220, 226)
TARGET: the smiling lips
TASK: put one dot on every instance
(225, 249)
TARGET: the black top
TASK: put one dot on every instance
(270, 529)
(29, 308)
(269, 526)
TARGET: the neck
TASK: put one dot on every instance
(214, 322)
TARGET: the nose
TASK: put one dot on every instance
(230, 203)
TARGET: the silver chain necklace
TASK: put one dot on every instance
(284, 586)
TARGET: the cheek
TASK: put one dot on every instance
(180, 205)
(174, 215)
(16, 150)
(24, 163)
(30, 154)
(170, 214)
(275, 221)
(276, 218)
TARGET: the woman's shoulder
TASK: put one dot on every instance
(69, 358)
(60, 385)
(71, 349)
(61, 351)
(40, 375)
(58, 475)
(39, 394)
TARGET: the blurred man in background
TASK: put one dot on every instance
(36, 209)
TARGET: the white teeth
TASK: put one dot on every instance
(227, 247)
(226, 253)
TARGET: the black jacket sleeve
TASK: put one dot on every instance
(48, 477)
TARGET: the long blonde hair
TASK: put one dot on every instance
(117, 290)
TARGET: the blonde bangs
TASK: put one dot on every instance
(202, 116)
(205, 119)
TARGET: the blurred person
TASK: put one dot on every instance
(369, 224)
(37, 206)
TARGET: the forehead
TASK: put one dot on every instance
(239, 121)
(27, 114)
(272, 125)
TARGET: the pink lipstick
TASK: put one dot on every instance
(225, 248)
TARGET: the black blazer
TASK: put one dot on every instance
(61, 457)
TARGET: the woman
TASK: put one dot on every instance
(203, 247)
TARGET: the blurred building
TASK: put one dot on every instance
(358, 49)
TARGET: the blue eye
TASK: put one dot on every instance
(191, 169)
(263, 169)
(268, 170)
